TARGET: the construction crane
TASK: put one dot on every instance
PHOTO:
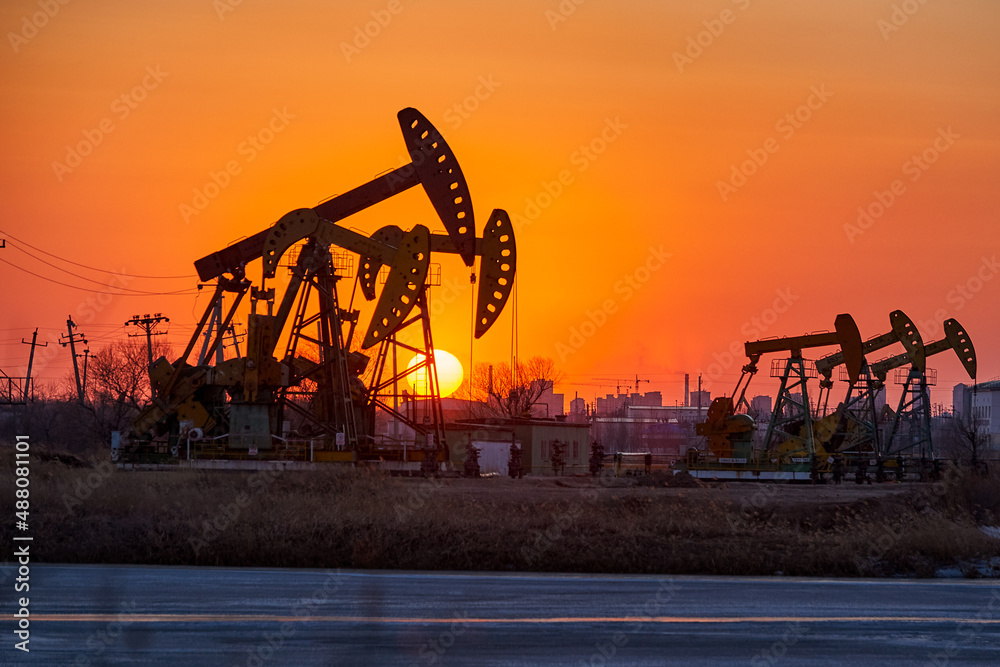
(626, 382)
(242, 403)
(789, 445)
(618, 383)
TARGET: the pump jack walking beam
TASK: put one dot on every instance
(903, 331)
(955, 338)
(846, 335)
(722, 422)
(914, 402)
(433, 165)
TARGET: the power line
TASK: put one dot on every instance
(69, 261)
(94, 291)
(75, 275)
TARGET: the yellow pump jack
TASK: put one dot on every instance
(789, 445)
(241, 403)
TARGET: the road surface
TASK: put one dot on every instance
(106, 615)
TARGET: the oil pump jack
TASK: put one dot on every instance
(241, 404)
(911, 425)
(853, 427)
(789, 447)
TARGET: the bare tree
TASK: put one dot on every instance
(500, 390)
(962, 440)
(118, 385)
(116, 389)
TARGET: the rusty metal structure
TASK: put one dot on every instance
(852, 428)
(265, 402)
(806, 442)
(911, 424)
(789, 444)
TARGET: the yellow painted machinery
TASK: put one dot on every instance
(801, 444)
(910, 432)
(259, 401)
(852, 427)
(789, 448)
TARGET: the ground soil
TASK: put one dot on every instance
(92, 512)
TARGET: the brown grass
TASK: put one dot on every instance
(339, 517)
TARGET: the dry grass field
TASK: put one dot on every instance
(353, 518)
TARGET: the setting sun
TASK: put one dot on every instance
(449, 371)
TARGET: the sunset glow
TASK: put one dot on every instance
(449, 373)
(681, 176)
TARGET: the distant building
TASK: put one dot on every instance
(880, 400)
(669, 439)
(702, 398)
(538, 439)
(664, 430)
(393, 430)
(578, 411)
(665, 413)
(617, 404)
(650, 398)
(760, 407)
(986, 414)
(961, 401)
(549, 403)
(793, 403)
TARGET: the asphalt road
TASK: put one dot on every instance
(105, 615)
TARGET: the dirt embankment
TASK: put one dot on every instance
(347, 518)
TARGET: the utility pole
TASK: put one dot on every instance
(148, 324)
(31, 360)
(71, 340)
(86, 354)
(234, 337)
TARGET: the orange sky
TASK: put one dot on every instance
(677, 117)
